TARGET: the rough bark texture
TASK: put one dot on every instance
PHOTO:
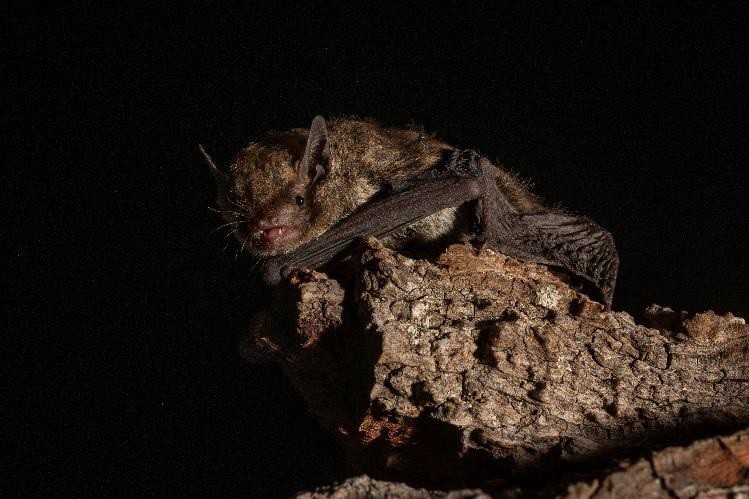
(716, 467)
(362, 487)
(481, 370)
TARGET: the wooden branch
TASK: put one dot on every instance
(716, 467)
(364, 487)
(481, 369)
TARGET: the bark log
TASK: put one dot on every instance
(716, 467)
(482, 370)
(364, 487)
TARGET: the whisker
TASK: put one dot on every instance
(224, 212)
(243, 243)
(226, 225)
(239, 204)
(255, 264)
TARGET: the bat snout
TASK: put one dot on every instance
(272, 233)
(266, 229)
(277, 227)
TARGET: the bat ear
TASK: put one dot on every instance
(222, 179)
(316, 160)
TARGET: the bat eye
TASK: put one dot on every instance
(299, 201)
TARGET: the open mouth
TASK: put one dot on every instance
(273, 233)
(275, 236)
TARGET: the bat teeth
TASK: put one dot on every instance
(273, 233)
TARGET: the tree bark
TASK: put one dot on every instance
(479, 370)
(716, 467)
(364, 487)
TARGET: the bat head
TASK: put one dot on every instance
(268, 196)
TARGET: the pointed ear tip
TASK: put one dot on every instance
(209, 160)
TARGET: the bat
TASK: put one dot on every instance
(299, 199)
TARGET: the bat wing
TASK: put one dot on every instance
(575, 244)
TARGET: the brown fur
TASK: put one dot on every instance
(363, 157)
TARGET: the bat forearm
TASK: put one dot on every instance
(378, 219)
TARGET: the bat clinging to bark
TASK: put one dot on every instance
(299, 198)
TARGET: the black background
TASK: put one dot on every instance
(126, 309)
